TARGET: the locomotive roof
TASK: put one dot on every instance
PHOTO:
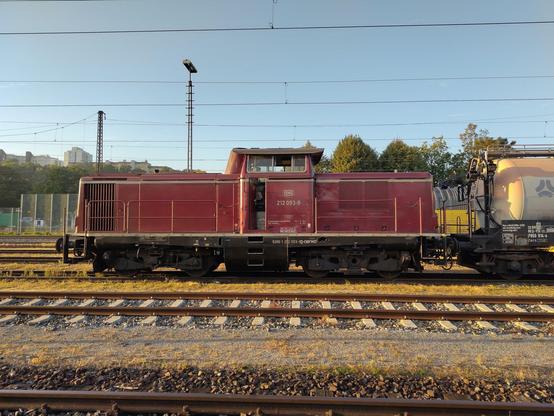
(238, 153)
(314, 152)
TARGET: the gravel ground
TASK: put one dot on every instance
(248, 380)
(379, 351)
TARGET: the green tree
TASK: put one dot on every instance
(353, 155)
(401, 157)
(60, 180)
(324, 165)
(474, 140)
(445, 166)
(12, 184)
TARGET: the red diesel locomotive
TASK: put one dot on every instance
(268, 210)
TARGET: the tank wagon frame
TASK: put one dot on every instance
(503, 220)
(268, 210)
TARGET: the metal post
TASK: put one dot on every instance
(100, 141)
(487, 201)
(64, 228)
(66, 213)
(189, 124)
(20, 214)
(51, 211)
(35, 215)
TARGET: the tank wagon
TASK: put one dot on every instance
(502, 221)
(268, 210)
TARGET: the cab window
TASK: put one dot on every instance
(278, 163)
(260, 164)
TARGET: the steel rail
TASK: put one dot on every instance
(427, 315)
(9, 238)
(25, 250)
(42, 259)
(446, 278)
(303, 296)
(202, 403)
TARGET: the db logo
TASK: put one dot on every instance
(288, 193)
(545, 188)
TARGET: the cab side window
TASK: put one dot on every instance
(278, 163)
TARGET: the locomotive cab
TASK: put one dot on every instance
(278, 188)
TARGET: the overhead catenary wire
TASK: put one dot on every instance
(116, 121)
(130, 141)
(274, 28)
(288, 103)
(50, 129)
(282, 82)
(155, 124)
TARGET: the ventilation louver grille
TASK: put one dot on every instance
(101, 206)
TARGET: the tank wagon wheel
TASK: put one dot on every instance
(386, 275)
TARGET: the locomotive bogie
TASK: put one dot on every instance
(327, 253)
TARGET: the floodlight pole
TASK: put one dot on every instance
(189, 124)
(192, 70)
(100, 141)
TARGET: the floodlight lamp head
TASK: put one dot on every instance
(190, 66)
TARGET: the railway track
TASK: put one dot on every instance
(186, 404)
(427, 277)
(27, 239)
(29, 259)
(367, 310)
(27, 250)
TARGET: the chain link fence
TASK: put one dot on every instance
(47, 213)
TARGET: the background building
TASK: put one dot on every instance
(42, 160)
(76, 155)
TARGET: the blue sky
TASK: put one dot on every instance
(270, 56)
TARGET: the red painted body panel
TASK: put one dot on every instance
(289, 206)
(375, 202)
(295, 202)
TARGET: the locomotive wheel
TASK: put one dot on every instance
(510, 276)
(98, 265)
(386, 275)
(315, 274)
(209, 264)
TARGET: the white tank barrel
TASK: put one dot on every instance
(523, 189)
